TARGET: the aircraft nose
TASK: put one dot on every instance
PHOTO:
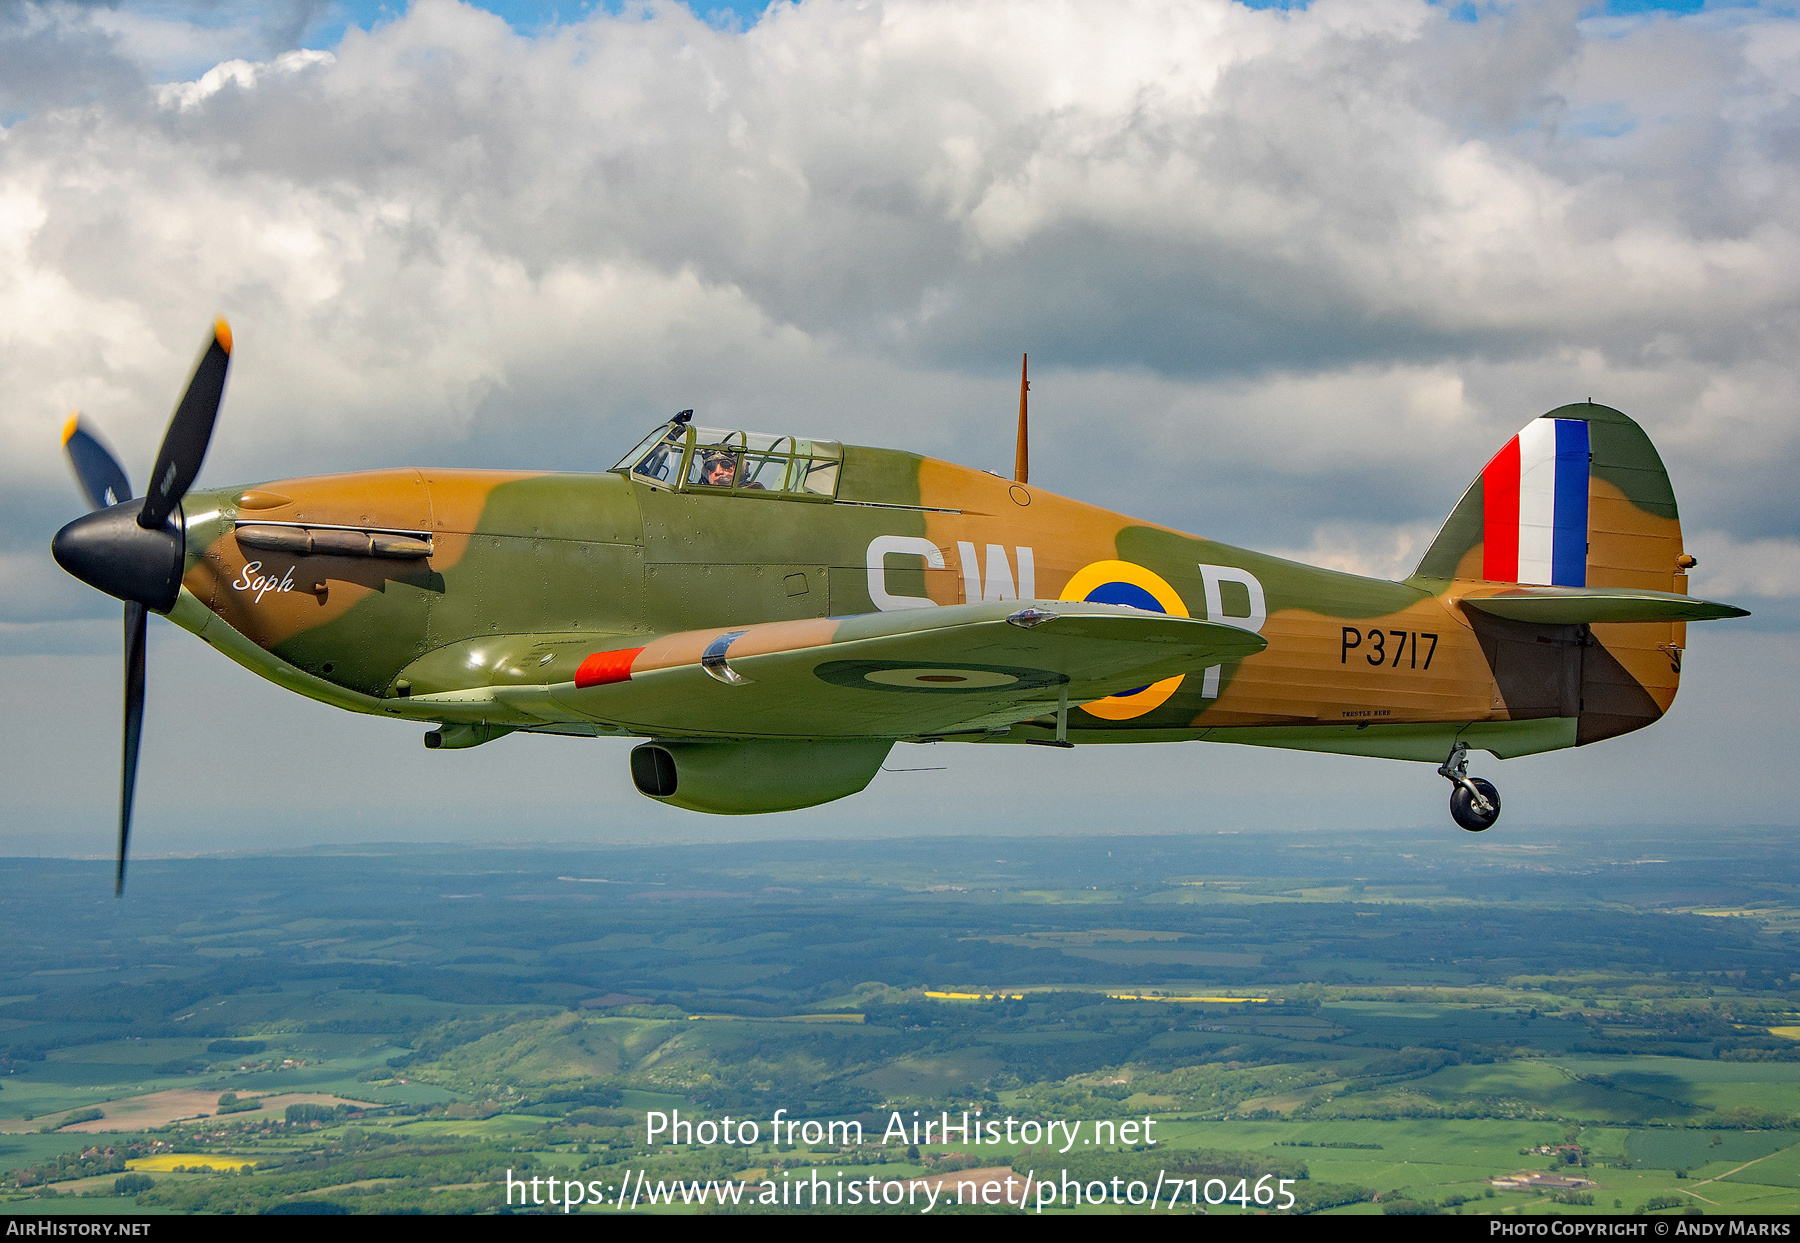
(109, 551)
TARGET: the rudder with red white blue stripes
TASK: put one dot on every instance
(1535, 506)
(1577, 502)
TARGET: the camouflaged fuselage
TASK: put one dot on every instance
(530, 574)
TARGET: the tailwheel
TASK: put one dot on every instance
(1474, 802)
(1465, 810)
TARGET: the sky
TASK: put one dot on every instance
(1288, 275)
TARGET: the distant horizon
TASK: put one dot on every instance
(571, 845)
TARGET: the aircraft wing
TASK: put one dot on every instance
(905, 674)
(1569, 606)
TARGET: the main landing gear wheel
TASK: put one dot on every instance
(1474, 802)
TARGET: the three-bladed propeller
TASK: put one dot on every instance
(131, 549)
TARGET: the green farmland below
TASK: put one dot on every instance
(1604, 1021)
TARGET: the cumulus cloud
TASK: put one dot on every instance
(1375, 550)
(1728, 568)
(1287, 277)
(238, 73)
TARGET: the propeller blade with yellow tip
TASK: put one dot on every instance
(138, 556)
(184, 445)
(96, 469)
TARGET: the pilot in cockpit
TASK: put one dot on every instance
(680, 456)
(718, 470)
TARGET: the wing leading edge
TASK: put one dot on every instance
(916, 673)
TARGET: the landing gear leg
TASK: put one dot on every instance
(1474, 803)
(1062, 722)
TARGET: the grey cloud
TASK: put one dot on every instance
(1276, 270)
(51, 56)
(1287, 280)
(1294, 212)
(66, 53)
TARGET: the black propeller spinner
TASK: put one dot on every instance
(130, 548)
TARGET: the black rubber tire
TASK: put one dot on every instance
(1462, 807)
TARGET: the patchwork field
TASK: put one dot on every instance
(1446, 1014)
(159, 1109)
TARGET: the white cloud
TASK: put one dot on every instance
(1728, 568)
(1287, 277)
(239, 73)
(1370, 549)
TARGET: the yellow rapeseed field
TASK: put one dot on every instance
(164, 1162)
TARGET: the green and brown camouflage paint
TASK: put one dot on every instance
(530, 573)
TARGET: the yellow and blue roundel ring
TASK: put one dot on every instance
(1121, 582)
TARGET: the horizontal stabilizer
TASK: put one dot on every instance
(1573, 606)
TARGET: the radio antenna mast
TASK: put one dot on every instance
(1022, 462)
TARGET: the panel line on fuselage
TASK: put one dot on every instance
(916, 509)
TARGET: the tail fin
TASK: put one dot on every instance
(1578, 499)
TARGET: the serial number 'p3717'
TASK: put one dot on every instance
(1405, 646)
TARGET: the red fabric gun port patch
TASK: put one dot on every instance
(604, 667)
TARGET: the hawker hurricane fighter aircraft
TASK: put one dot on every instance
(772, 613)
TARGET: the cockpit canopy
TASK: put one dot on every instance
(681, 457)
